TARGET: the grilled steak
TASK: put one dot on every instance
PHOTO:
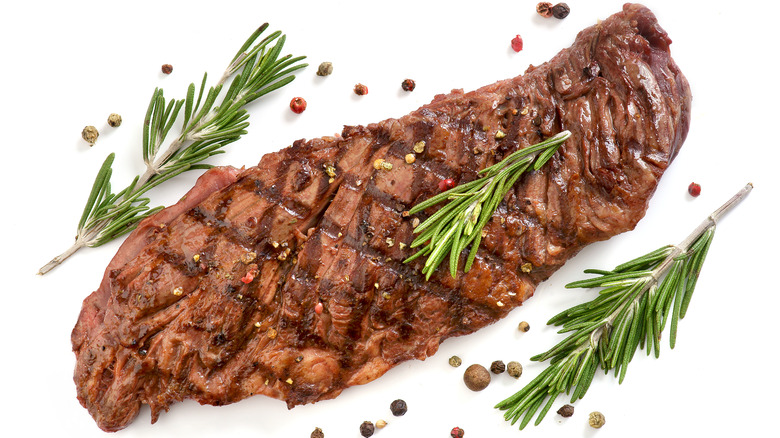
(286, 279)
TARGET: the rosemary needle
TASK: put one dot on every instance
(637, 300)
(459, 223)
(207, 127)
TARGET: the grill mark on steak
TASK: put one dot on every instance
(337, 243)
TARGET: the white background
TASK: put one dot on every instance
(69, 64)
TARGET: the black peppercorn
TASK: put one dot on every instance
(497, 367)
(560, 11)
(408, 85)
(566, 411)
(398, 407)
(367, 429)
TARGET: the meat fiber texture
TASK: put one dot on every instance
(286, 279)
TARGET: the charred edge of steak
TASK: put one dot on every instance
(287, 279)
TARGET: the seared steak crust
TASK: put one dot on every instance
(286, 279)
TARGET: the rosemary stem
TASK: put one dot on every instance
(77, 245)
(205, 130)
(83, 239)
(707, 223)
(684, 246)
(637, 299)
(661, 269)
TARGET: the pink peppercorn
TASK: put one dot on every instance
(249, 277)
(298, 105)
(446, 184)
(517, 43)
(694, 189)
(318, 308)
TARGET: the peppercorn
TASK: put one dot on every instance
(596, 420)
(566, 411)
(410, 158)
(408, 85)
(298, 105)
(455, 361)
(523, 326)
(90, 134)
(114, 120)
(361, 90)
(325, 69)
(398, 407)
(367, 429)
(544, 9)
(694, 189)
(560, 11)
(517, 43)
(476, 377)
(497, 367)
(380, 424)
(446, 184)
(457, 432)
(514, 369)
(167, 69)
(317, 433)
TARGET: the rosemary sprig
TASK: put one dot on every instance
(207, 127)
(459, 223)
(631, 311)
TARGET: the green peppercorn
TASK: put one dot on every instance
(596, 420)
(90, 134)
(114, 120)
(317, 433)
(514, 369)
(455, 361)
(325, 69)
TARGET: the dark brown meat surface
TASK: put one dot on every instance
(216, 298)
